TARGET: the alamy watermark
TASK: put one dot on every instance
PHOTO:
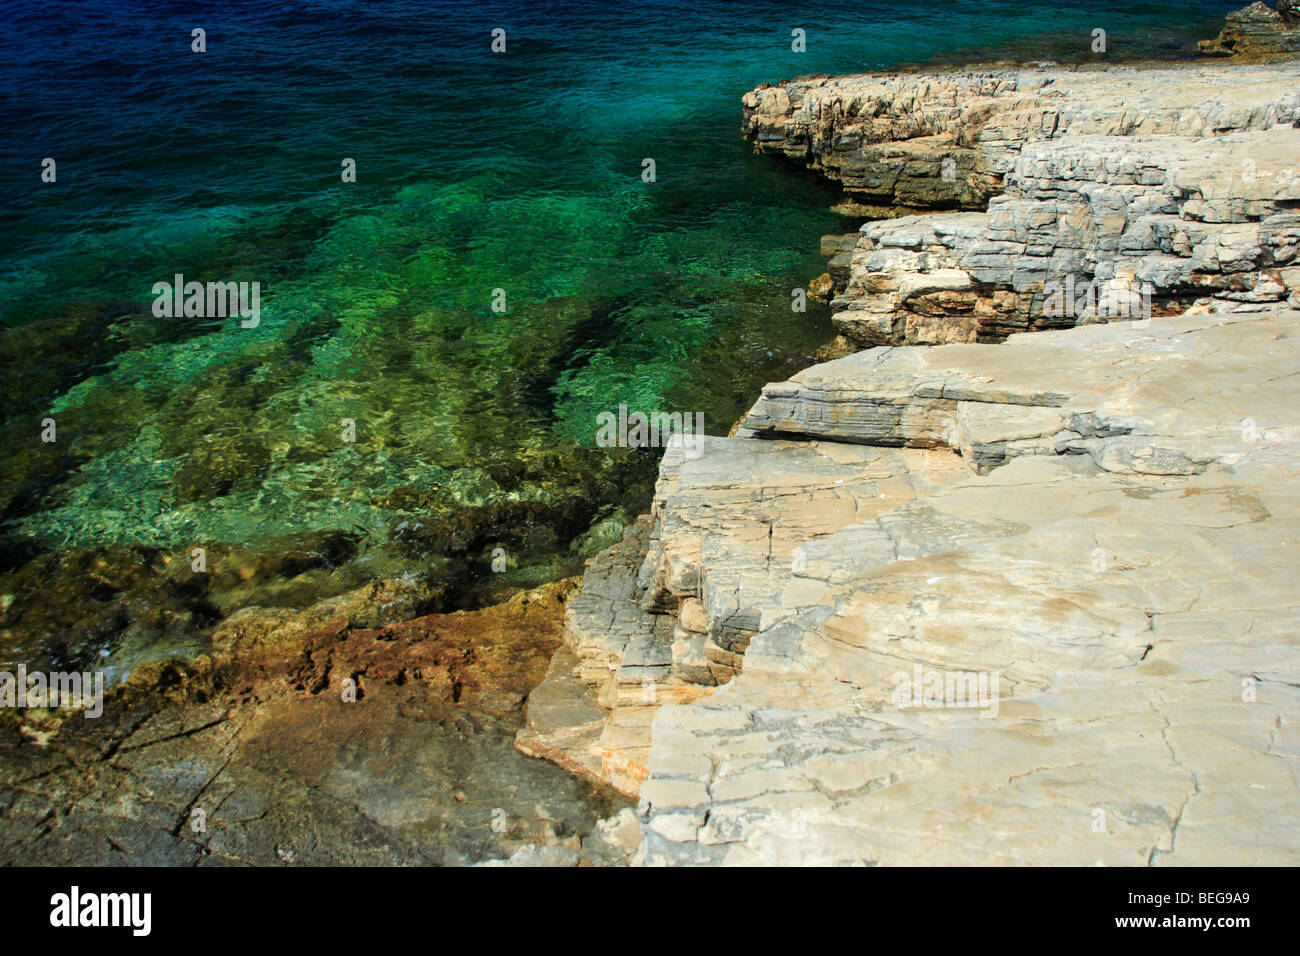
(75, 908)
(945, 689)
(650, 430)
(211, 300)
(55, 689)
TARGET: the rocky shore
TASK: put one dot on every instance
(1090, 511)
(1258, 32)
(1163, 177)
(1009, 581)
(311, 738)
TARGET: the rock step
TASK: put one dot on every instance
(991, 408)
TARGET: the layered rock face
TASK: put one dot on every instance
(1017, 598)
(666, 615)
(1092, 194)
(592, 714)
(1258, 32)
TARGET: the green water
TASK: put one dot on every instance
(474, 429)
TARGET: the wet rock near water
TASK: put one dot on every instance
(117, 608)
(252, 756)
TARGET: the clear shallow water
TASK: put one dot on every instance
(475, 171)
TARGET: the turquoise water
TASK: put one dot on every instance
(476, 171)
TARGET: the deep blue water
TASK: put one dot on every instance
(475, 171)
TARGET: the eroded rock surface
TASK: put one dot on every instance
(1258, 32)
(976, 595)
(250, 755)
(1077, 196)
(1136, 617)
(592, 713)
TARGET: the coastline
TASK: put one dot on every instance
(256, 754)
(800, 594)
(886, 471)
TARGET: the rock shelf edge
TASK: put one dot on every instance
(1096, 510)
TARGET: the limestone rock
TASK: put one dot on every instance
(974, 595)
(1132, 620)
(1091, 195)
(592, 713)
(1258, 32)
(1068, 552)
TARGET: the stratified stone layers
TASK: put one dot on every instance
(1100, 517)
(1180, 182)
(1257, 32)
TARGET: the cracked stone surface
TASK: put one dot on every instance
(1097, 391)
(1136, 618)
(1140, 621)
